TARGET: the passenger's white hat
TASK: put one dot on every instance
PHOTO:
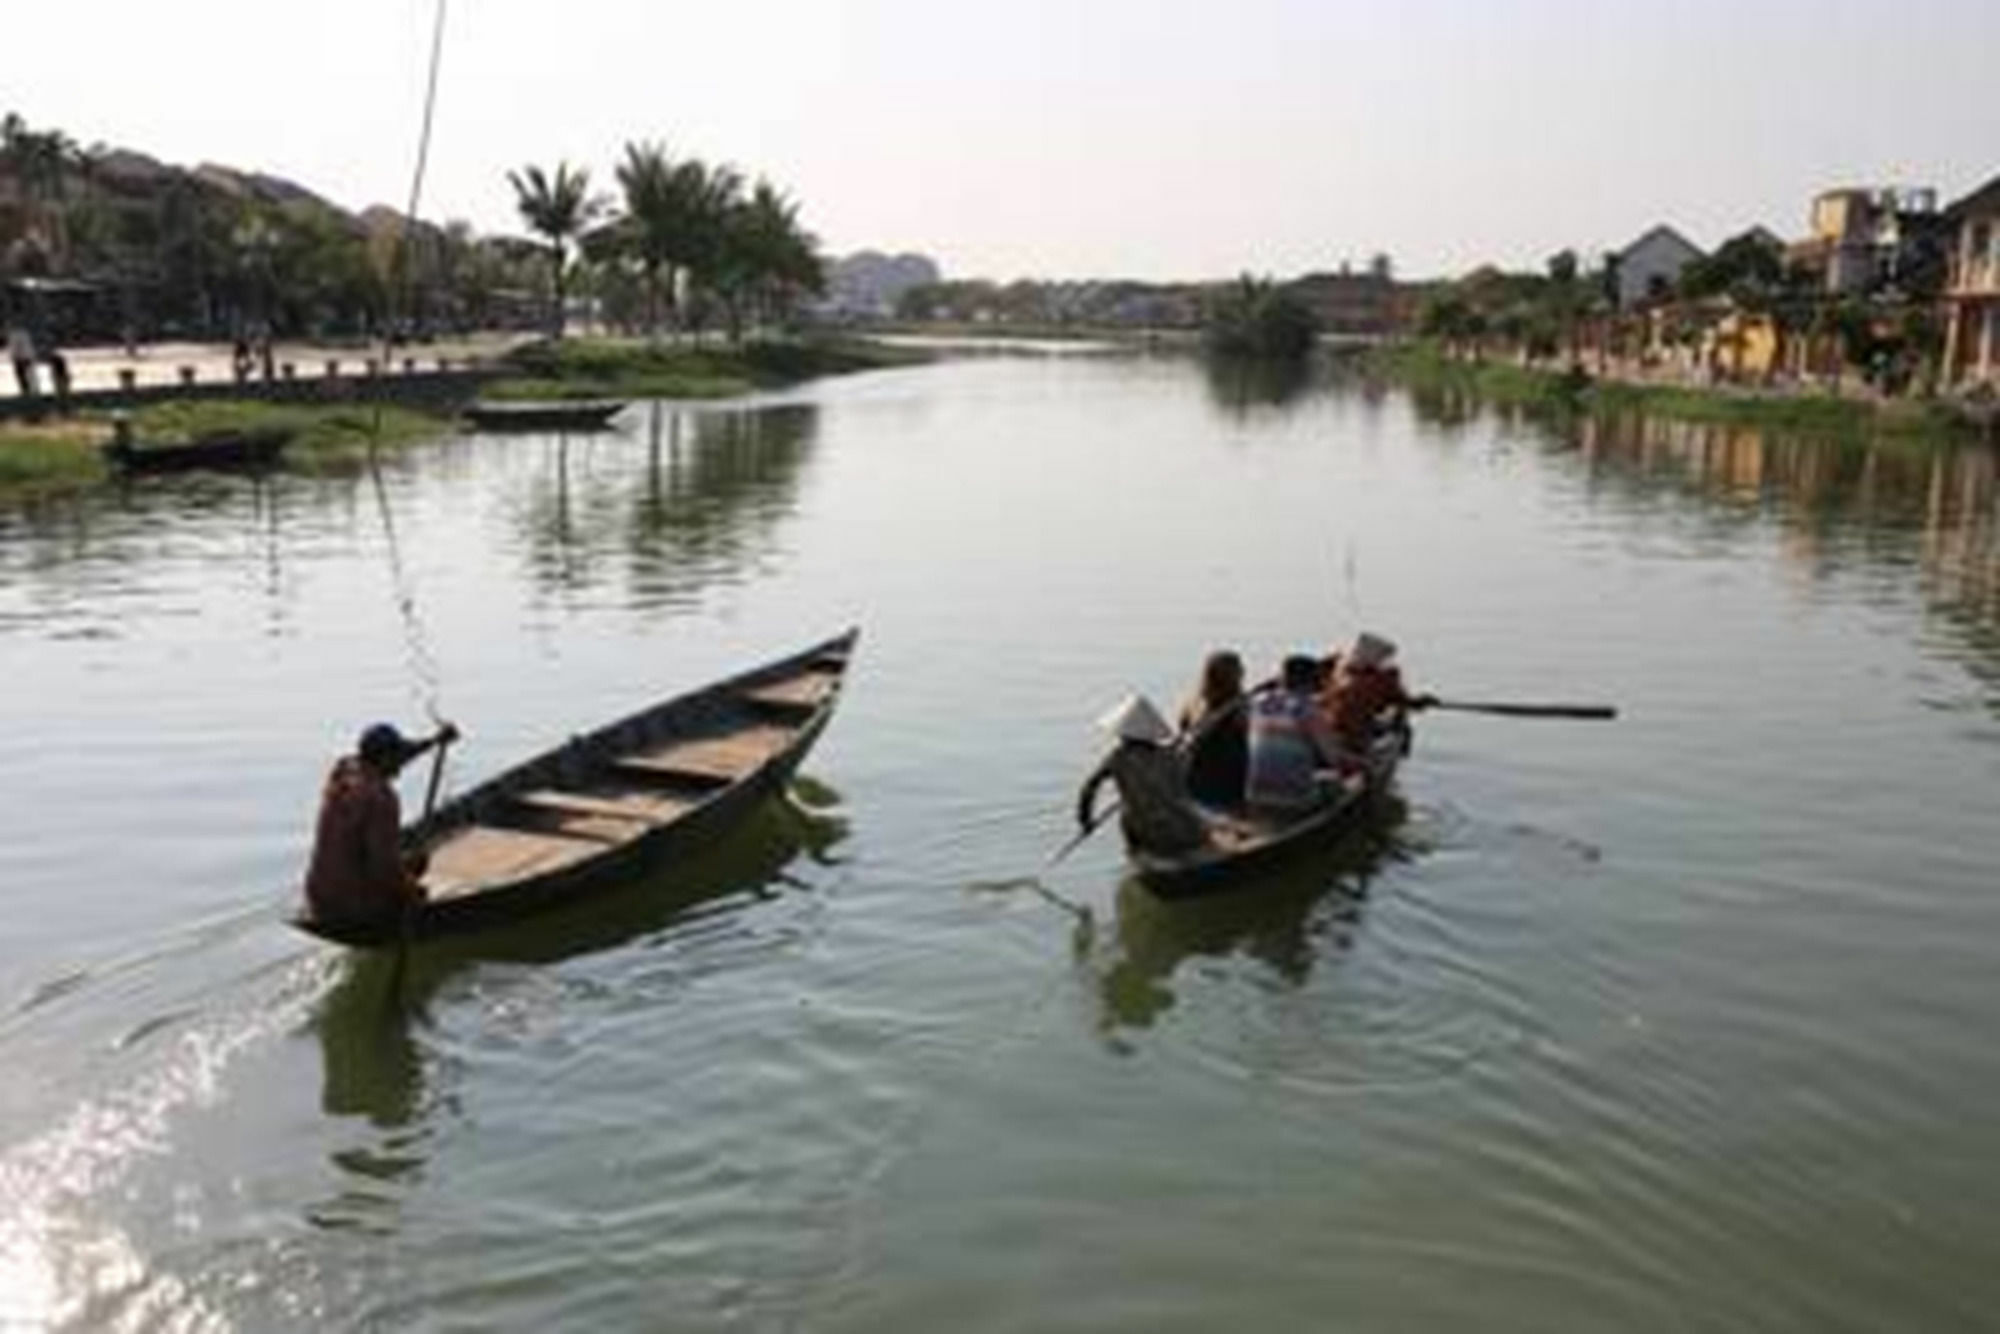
(1370, 650)
(1137, 720)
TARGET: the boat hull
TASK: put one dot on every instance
(1238, 864)
(250, 450)
(584, 415)
(690, 831)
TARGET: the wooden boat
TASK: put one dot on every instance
(1245, 846)
(625, 799)
(584, 414)
(232, 449)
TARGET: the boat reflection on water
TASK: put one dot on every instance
(1288, 920)
(371, 1024)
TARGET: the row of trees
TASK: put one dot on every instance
(1886, 335)
(685, 241)
(145, 249)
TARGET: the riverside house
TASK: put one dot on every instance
(1972, 290)
(1649, 267)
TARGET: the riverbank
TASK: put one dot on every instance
(635, 368)
(62, 453)
(59, 453)
(1425, 366)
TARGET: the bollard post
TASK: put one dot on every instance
(289, 370)
(332, 368)
(128, 379)
(187, 375)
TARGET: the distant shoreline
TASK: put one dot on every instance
(1423, 365)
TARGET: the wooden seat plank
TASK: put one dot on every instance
(640, 809)
(476, 855)
(807, 690)
(730, 755)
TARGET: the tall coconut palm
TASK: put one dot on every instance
(556, 208)
(766, 257)
(659, 215)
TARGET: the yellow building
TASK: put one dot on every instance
(1972, 290)
(1742, 346)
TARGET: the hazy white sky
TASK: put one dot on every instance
(1150, 138)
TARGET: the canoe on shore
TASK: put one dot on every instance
(1247, 846)
(605, 808)
(233, 449)
(590, 414)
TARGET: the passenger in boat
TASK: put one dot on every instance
(1215, 734)
(1294, 755)
(1156, 811)
(1366, 692)
(358, 872)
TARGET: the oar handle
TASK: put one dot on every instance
(1084, 834)
(1590, 712)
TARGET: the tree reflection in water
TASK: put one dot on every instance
(698, 508)
(1245, 386)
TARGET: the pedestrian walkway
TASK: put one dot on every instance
(96, 369)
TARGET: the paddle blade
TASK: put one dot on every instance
(1585, 712)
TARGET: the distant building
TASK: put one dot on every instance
(1863, 239)
(869, 284)
(1972, 289)
(1651, 265)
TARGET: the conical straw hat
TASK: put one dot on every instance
(1370, 650)
(1135, 719)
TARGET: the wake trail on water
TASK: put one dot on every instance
(171, 1044)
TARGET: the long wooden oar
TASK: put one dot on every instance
(1083, 835)
(1593, 712)
(402, 963)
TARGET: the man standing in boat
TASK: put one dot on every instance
(358, 872)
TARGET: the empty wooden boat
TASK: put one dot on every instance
(620, 802)
(1245, 846)
(591, 414)
(232, 449)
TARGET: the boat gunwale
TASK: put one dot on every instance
(1216, 871)
(465, 911)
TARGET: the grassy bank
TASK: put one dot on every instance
(44, 456)
(67, 453)
(321, 433)
(1424, 366)
(631, 368)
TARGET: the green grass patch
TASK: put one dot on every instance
(1423, 366)
(576, 368)
(320, 432)
(51, 456)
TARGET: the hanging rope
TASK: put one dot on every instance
(416, 641)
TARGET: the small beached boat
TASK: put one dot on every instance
(1244, 847)
(233, 449)
(606, 807)
(588, 414)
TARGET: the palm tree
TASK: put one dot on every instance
(766, 257)
(556, 208)
(659, 216)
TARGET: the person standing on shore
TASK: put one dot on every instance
(21, 350)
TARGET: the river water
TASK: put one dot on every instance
(1678, 1023)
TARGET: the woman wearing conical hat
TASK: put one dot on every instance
(1156, 812)
(1366, 689)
